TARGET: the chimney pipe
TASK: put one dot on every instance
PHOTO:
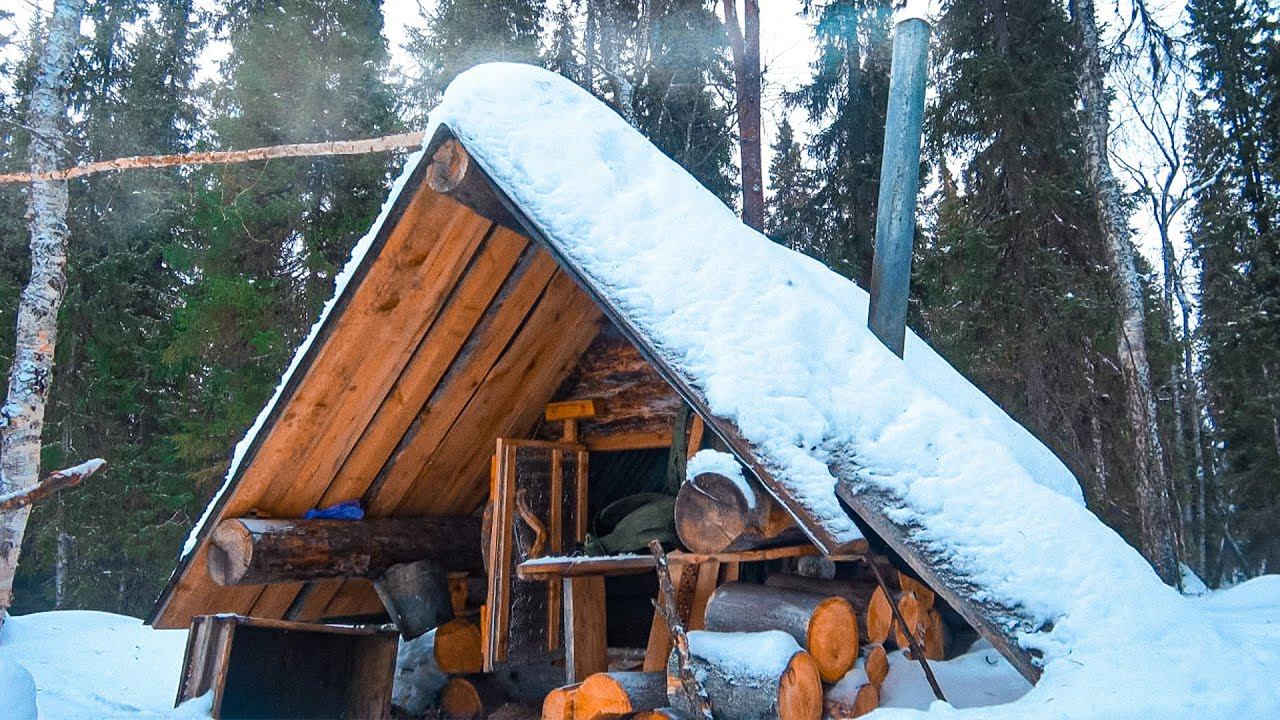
(899, 183)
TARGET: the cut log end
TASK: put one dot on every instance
(832, 638)
(716, 514)
(877, 664)
(879, 617)
(457, 647)
(866, 700)
(619, 693)
(558, 704)
(460, 700)
(800, 690)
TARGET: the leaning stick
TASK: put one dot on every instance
(916, 651)
(59, 480)
(692, 688)
(226, 157)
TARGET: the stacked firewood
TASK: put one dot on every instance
(793, 647)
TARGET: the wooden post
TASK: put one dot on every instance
(899, 184)
(585, 646)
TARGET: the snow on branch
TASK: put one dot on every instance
(339, 147)
(59, 480)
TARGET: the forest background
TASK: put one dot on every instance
(188, 288)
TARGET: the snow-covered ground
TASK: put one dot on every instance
(91, 665)
(97, 665)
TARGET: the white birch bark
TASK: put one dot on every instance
(1157, 513)
(22, 416)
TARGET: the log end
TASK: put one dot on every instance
(832, 638)
(457, 647)
(877, 664)
(800, 690)
(879, 617)
(230, 551)
(459, 700)
(711, 513)
(558, 705)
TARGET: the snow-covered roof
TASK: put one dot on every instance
(774, 347)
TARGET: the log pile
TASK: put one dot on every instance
(792, 647)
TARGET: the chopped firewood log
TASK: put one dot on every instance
(917, 588)
(879, 617)
(857, 592)
(618, 693)
(716, 514)
(460, 700)
(558, 704)
(825, 625)
(875, 661)
(914, 615)
(751, 676)
(937, 637)
(456, 647)
(854, 696)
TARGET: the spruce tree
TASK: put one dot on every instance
(1010, 288)
(845, 99)
(1235, 235)
(790, 220)
(459, 34)
(267, 239)
(107, 543)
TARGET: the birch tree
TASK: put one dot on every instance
(22, 417)
(1158, 517)
(1157, 102)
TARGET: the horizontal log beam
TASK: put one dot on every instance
(254, 551)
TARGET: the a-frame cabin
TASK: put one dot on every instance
(540, 260)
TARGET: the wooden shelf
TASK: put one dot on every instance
(552, 567)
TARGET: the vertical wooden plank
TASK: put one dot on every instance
(708, 576)
(659, 647)
(499, 596)
(586, 647)
(556, 530)
(580, 499)
(372, 673)
(696, 430)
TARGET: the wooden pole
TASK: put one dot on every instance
(916, 651)
(690, 685)
(225, 157)
(899, 184)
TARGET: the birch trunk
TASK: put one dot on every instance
(1158, 517)
(22, 417)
